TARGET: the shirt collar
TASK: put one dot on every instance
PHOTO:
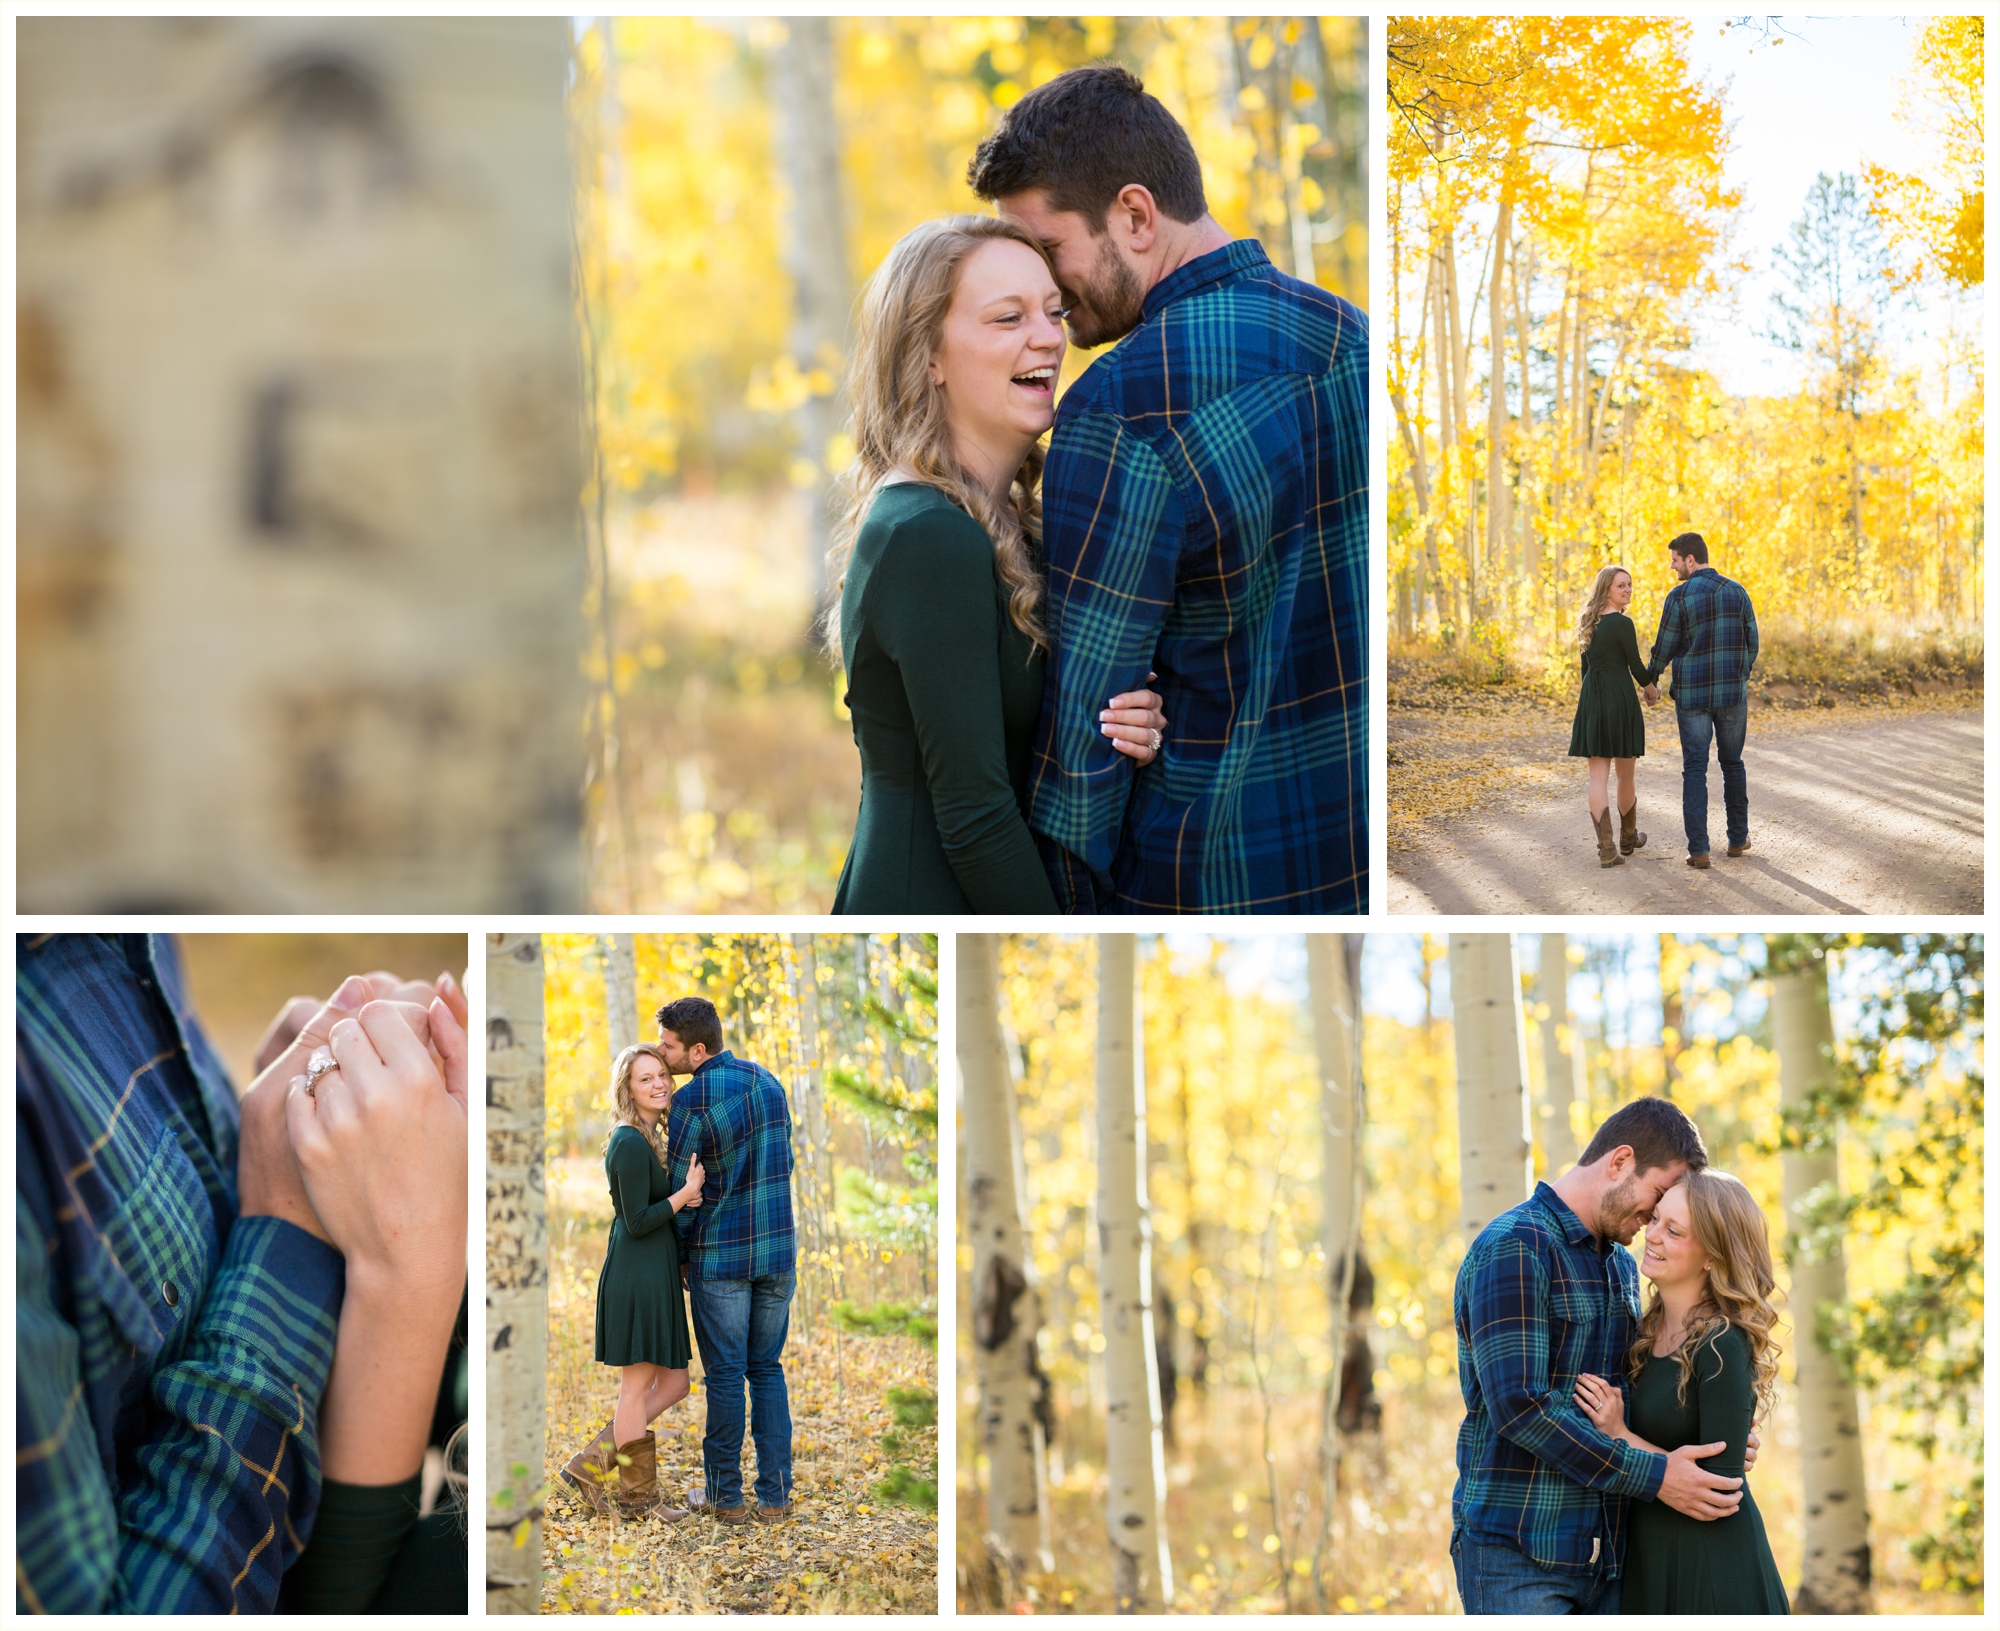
(1566, 1220)
(1233, 259)
(712, 1059)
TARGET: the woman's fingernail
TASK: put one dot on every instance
(354, 992)
(446, 984)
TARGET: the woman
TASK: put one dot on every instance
(1702, 1368)
(641, 1315)
(939, 623)
(1609, 727)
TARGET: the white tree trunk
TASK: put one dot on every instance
(1332, 971)
(517, 1274)
(816, 247)
(1006, 1303)
(1562, 1067)
(1135, 1458)
(809, 1175)
(1495, 1152)
(621, 997)
(1835, 1579)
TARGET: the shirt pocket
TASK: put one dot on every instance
(147, 1277)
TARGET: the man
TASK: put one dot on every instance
(177, 1299)
(1708, 631)
(1546, 1295)
(740, 1254)
(1204, 508)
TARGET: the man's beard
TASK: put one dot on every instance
(1619, 1214)
(1111, 305)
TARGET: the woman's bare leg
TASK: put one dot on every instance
(1628, 789)
(635, 1386)
(668, 1389)
(1600, 776)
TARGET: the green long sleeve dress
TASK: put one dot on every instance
(945, 692)
(1675, 1564)
(641, 1311)
(1609, 723)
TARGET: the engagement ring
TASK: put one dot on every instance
(1157, 739)
(321, 1067)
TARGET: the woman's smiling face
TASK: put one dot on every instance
(1672, 1255)
(651, 1085)
(1002, 346)
(1621, 592)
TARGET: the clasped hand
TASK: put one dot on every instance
(1687, 1486)
(689, 1194)
(1652, 695)
(374, 1160)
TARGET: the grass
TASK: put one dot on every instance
(843, 1552)
(1390, 1551)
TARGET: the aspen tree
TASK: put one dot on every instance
(1006, 1316)
(1135, 1457)
(1495, 1151)
(621, 1001)
(1562, 1065)
(1835, 1577)
(517, 1277)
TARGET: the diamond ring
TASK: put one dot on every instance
(323, 1065)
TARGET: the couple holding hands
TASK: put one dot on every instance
(240, 1324)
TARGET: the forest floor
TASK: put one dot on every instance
(841, 1552)
(1389, 1551)
(1859, 803)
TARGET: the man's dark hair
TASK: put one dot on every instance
(1691, 544)
(1081, 138)
(692, 1019)
(1659, 1132)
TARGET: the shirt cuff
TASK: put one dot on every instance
(1647, 1475)
(279, 1288)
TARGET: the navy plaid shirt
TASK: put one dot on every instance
(170, 1356)
(1205, 515)
(733, 1114)
(1539, 1302)
(1708, 631)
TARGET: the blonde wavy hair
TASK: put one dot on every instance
(897, 414)
(1729, 1227)
(1594, 603)
(624, 1113)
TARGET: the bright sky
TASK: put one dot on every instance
(1823, 100)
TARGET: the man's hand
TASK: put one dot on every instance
(296, 1015)
(1700, 1494)
(1652, 694)
(1750, 1452)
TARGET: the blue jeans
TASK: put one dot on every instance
(1725, 727)
(741, 1326)
(1496, 1579)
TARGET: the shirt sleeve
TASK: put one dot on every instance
(1668, 642)
(1727, 1400)
(1112, 534)
(1508, 1312)
(1749, 632)
(211, 1507)
(937, 617)
(632, 1169)
(1628, 648)
(684, 1133)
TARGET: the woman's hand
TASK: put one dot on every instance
(689, 1194)
(1602, 1403)
(1133, 721)
(381, 1143)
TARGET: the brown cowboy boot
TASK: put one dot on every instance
(1607, 848)
(1629, 836)
(639, 1483)
(592, 1471)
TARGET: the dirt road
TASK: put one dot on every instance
(1873, 814)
